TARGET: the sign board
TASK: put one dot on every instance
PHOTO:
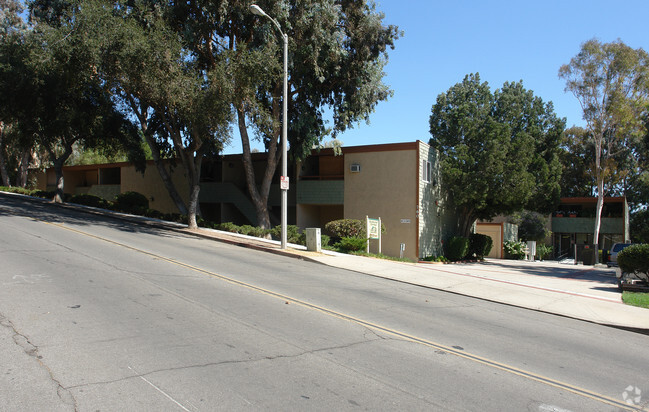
(373, 228)
(283, 182)
(405, 220)
(373, 231)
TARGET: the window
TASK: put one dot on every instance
(426, 171)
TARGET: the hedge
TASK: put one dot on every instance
(457, 248)
(479, 245)
(634, 259)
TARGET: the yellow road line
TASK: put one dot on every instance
(476, 358)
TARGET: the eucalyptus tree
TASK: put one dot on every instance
(498, 151)
(14, 153)
(181, 107)
(57, 99)
(337, 52)
(611, 82)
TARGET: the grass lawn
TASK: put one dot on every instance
(636, 299)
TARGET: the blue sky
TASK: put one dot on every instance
(502, 40)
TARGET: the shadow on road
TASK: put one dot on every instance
(46, 211)
(552, 269)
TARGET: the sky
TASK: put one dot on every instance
(502, 40)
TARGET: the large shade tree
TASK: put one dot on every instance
(181, 107)
(55, 96)
(611, 82)
(14, 150)
(337, 52)
(498, 151)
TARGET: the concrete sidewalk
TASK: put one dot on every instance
(581, 292)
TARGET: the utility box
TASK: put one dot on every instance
(313, 239)
(531, 246)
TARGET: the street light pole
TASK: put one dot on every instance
(284, 178)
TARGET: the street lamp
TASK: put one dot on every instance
(254, 9)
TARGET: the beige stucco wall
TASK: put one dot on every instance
(386, 187)
(150, 184)
(317, 215)
(495, 231)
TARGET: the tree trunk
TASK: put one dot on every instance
(23, 168)
(58, 168)
(599, 176)
(165, 177)
(140, 111)
(3, 164)
(58, 194)
(194, 172)
(466, 223)
(598, 215)
(259, 196)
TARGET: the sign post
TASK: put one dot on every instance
(373, 231)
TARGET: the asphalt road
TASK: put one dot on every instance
(101, 314)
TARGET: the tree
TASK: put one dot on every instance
(10, 20)
(181, 107)
(639, 226)
(531, 226)
(337, 51)
(14, 151)
(611, 83)
(577, 159)
(498, 152)
(57, 96)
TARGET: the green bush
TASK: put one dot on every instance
(89, 200)
(156, 214)
(345, 228)
(19, 190)
(228, 227)
(435, 259)
(131, 202)
(457, 248)
(324, 240)
(543, 251)
(352, 244)
(514, 250)
(479, 245)
(44, 194)
(293, 234)
(635, 259)
(174, 217)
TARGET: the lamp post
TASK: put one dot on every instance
(284, 178)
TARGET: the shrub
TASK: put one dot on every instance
(44, 194)
(156, 214)
(635, 259)
(352, 244)
(324, 240)
(345, 228)
(89, 200)
(543, 250)
(479, 245)
(174, 217)
(456, 248)
(228, 227)
(293, 234)
(19, 190)
(131, 202)
(514, 250)
(435, 259)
